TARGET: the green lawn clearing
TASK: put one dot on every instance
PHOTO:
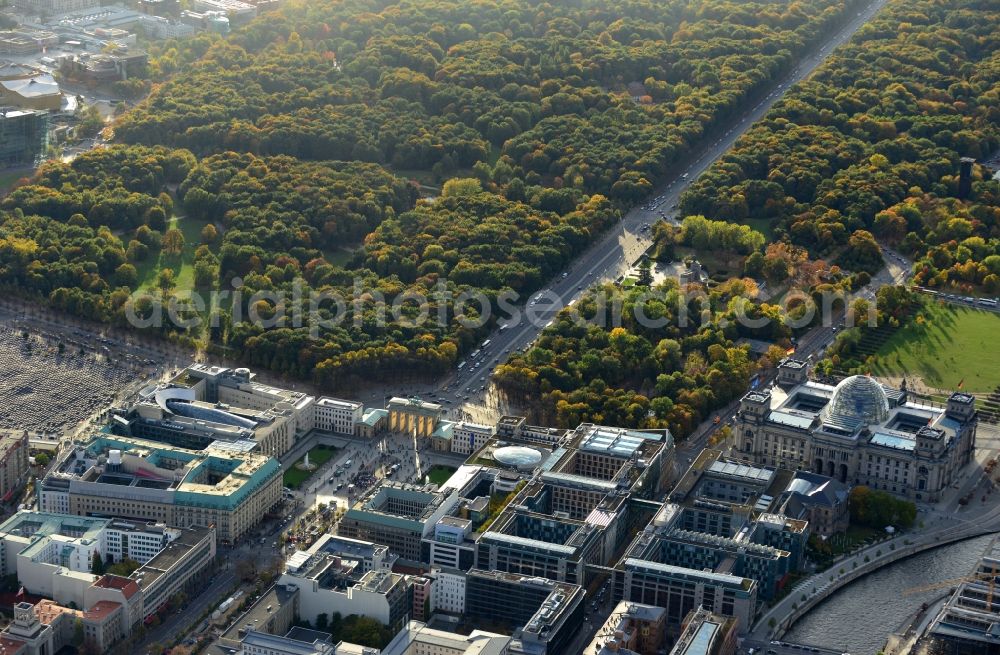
(440, 474)
(182, 265)
(763, 225)
(944, 345)
(338, 256)
(318, 456)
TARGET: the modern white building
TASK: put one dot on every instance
(237, 11)
(448, 591)
(53, 554)
(329, 584)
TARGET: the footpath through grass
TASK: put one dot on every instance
(945, 344)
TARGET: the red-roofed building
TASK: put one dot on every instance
(47, 626)
(127, 586)
(122, 591)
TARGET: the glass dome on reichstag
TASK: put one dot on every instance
(859, 399)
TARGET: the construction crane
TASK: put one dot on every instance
(983, 576)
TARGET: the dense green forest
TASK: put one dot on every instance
(871, 144)
(664, 372)
(594, 96)
(394, 147)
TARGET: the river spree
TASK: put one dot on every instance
(858, 618)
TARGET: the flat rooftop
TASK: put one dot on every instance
(173, 553)
(337, 403)
(260, 612)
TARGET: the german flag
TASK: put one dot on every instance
(961, 383)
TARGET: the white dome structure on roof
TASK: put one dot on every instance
(520, 457)
(858, 398)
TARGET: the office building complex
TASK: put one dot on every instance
(720, 542)
(13, 461)
(23, 136)
(859, 431)
(206, 405)
(969, 622)
(515, 428)
(52, 7)
(53, 554)
(180, 566)
(680, 590)
(113, 606)
(142, 480)
(451, 543)
(545, 615)
(720, 535)
(576, 511)
(238, 12)
(329, 584)
(398, 515)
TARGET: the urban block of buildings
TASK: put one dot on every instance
(860, 432)
(13, 458)
(211, 406)
(208, 404)
(398, 515)
(722, 540)
(143, 480)
(578, 509)
(53, 556)
(348, 576)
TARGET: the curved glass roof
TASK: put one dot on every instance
(183, 408)
(858, 398)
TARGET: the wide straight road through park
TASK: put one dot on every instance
(617, 250)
